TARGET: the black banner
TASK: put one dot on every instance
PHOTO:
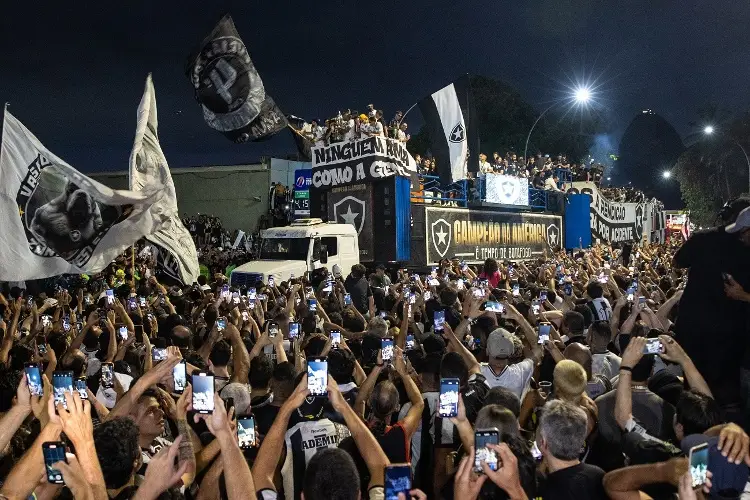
(353, 205)
(229, 89)
(611, 221)
(304, 146)
(363, 161)
(474, 235)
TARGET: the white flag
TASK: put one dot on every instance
(445, 120)
(148, 167)
(55, 220)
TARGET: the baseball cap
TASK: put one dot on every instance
(499, 345)
(728, 480)
(742, 222)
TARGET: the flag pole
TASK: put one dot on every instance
(407, 112)
(296, 131)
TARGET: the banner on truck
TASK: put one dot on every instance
(612, 221)
(474, 235)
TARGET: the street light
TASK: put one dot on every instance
(581, 96)
(708, 130)
(666, 174)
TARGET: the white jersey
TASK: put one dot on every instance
(514, 377)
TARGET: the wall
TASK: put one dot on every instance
(238, 195)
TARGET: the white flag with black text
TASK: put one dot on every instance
(55, 220)
(448, 132)
(176, 256)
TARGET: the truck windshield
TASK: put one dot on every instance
(284, 248)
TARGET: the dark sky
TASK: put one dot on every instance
(74, 74)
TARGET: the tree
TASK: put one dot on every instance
(505, 119)
(715, 169)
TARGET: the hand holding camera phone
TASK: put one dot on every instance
(397, 481)
(246, 433)
(203, 392)
(438, 320)
(653, 346)
(317, 377)
(698, 460)
(62, 382)
(179, 375)
(108, 375)
(53, 452)
(386, 345)
(34, 379)
(482, 453)
(544, 330)
(448, 402)
(335, 338)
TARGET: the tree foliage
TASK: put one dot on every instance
(505, 119)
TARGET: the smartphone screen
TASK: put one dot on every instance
(270, 281)
(535, 307)
(386, 345)
(42, 347)
(34, 379)
(110, 296)
(516, 290)
(448, 397)
(53, 452)
(108, 375)
(246, 432)
(132, 303)
(142, 301)
(483, 437)
(568, 289)
(544, 329)
(312, 305)
(397, 480)
(347, 299)
(158, 353)
(542, 296)
(273, 330)
(478, 293)
(641, 302)
(225, 291)
(62, 382)
(203, 392)
(653, 346)
(66, 324)
(328, 287)
(410, 344)
(123, 332)
(335, 338)
(438, 319)
(221, 323)
(493, 306)
(631, 294)
(179, 374)
(317, 376)
(293, 330)
(81, 388)
(698, 464)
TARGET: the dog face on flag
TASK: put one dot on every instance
(68, 222)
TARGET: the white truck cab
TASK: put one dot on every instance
(305, 245)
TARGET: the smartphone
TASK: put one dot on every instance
(221, 323)
(235, 298)
(542, 296)
(123, 331)
(495, 307)
(459, 284)
(110, 294)
(251, 293)
(544, 329)
(30, 301)
(410, 344)
(108, 375)
(81, 388)
(698, 459)
(329, 286)
(602, 277)
(142, 301)
(536, 307)
(482, 453)
(273, 329)
(317, 377)
(427, 295)
(438, 320)
(478, 292)
(347, 299)
(397, 480)
(224, 291)
(516, 290)
(536, 452)
(631, 294)
(433, 282)
(245, 316)
(228, 404)
(246, 432)
(448, 404)
(132, 303)
(40, 344)
(46, 320)
(162, 301)
(66, 324)
(312, 305)
(294, 330)
(270, 281)
(34, 379)
(412, 298)
(335, 338)
(386, 344)
(158, 353)
(653, 346)
(62, 382)
(568, 289)
(203, 392)
(179, 374)
(53, 451)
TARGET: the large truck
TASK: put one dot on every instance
(305, 245)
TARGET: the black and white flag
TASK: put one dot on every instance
(55, 220)
(447, 127)
(176, 257)
(229, 88)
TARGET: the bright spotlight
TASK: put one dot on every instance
(666, 174)
(708, 130)
(582, 95)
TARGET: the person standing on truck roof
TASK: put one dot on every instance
(359, 289)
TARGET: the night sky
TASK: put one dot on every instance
(74, 75)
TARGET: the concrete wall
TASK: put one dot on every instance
(236, 194)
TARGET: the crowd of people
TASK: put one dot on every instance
(596, 373)
(627, 194)
(353, 125)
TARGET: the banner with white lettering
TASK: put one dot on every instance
(55, 220)
(612, 221)
(476, 235)
(362, 161)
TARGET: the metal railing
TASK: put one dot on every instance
(431, 192)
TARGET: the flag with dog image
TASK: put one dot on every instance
(56, 220)
(177, 258)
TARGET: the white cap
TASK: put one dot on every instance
(742, 222)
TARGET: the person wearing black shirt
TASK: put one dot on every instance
(359, 289)
(562, 431)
